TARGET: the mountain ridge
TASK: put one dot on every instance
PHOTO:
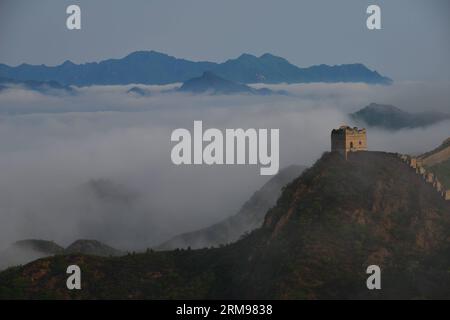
(151, 67)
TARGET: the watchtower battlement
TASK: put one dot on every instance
(347, 139)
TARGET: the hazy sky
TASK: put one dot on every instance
(414, 43)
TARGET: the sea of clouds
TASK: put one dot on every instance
(96, 164)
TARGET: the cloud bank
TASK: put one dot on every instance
(97, 164)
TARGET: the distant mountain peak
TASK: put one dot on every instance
(141, 92)
(382, 108)
(393, 118)
(68, 63)
(209, 82)
(145, 53)
(246, 56)
(41, 246)
(268, 55)
(92, 247)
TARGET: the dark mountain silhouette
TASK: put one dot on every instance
(43, 246)
(393, 118)
(150, 67)
(140, 92)
(24, 251)
(249, 217)
(45, 87)
(92, 247)
(328, 226)
(210, 83)
(272, 69)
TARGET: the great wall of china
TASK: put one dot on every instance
(429, 177)
(346, 139)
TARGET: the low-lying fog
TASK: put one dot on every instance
(97, 164)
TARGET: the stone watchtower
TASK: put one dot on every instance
(346, 139)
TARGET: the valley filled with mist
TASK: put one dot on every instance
(95, 163)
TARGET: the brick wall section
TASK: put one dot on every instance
(429, 177)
